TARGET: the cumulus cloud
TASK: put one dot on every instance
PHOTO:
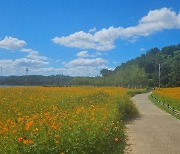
(98, 54)
(154, 21)
(73, 71)
(84, 67)
(32, 63)
(97, 62)
(77, 67)
(93, 30)
(79, 40)
(164, 18)
(82, 71)
(11, 43)
(35, 55)
(22, 62)
(83, 54)
(48, 70)
(17, 66)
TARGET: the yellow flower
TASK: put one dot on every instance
(116, 139)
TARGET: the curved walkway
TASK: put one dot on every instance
(154, 132)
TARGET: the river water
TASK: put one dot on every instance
(7, 86)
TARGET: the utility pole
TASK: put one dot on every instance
(159, 75)
(1, 71)
(27, 71)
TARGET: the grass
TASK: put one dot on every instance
(164, 108)
(169, 96)
(64, 119)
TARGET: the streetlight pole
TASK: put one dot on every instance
(27, 71)
(159, 75)
(1, 71)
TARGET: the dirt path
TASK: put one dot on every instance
(154, 132)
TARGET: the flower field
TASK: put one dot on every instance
(170, 96)
(63, 119)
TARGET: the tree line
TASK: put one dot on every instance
(139, 72)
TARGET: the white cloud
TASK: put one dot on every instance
(98, 54)
(11, 43)
(25, 62)
(82, 71)
(72, 71)
(93, 30)
(48, 70)
(141, 49)
(77, 67)
(79, 40)
(21, 62)
(97, 62)
(164, 18)
(83, 54)
(32, 54)
(156, 20)
(35, 55)
(17, 66)
(84, 67)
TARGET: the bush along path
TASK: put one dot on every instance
(154, 132)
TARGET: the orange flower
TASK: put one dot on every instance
(28, 142)
(54, 126)
(28, 125)
(20, 139)
(20, 119)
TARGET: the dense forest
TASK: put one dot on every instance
(142, 71)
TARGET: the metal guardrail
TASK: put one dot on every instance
(166, 105)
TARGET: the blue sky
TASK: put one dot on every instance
(81, 37)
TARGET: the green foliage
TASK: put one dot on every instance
(105, 72)
(32, 80)
(133, 92)
(168, 57)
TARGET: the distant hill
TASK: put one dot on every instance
(148, 67)
(3, 77)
